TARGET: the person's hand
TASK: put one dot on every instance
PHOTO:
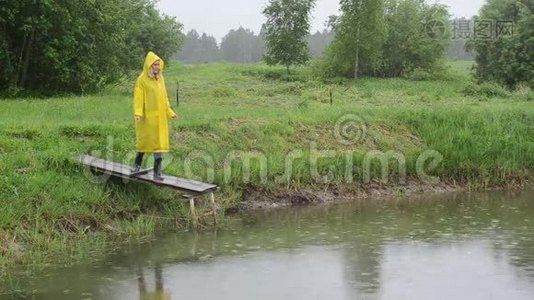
(175, 117)
(138, 119)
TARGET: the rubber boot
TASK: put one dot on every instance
(138, 162)
(157, 169)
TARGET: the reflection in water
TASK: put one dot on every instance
(159, 293)
(457, 247)
(363, 268)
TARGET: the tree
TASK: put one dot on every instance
(209, 48)
(150, 30)
(241, 46)
(198, 49)
(190, 50)
(418, 36)
(238, 45)
(386, 38)
(318, 42)
(288, 24)
(506, 57)
(359, 38)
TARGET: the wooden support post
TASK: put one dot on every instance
(213, 208)
(194, 244)
(194, 216)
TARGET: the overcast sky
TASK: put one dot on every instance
(217, 17)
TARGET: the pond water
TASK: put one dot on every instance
(476, 246)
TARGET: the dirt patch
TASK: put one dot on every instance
(257, 199)
(24, 134)
(234, 124)
(364, 138)
(75, 225)
(8, 246)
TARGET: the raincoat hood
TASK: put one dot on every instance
(151, 57)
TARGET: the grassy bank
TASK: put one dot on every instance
(482, 136)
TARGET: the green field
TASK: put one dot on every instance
(484, 135)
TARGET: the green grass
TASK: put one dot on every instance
(484, 141)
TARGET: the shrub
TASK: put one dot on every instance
(524, 91)
(420, 75)
(486, 89)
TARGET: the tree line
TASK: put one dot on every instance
(240, 46)
(244, 46)
(77, 46)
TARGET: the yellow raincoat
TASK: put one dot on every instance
(152, 104)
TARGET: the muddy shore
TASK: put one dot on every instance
(258, 199)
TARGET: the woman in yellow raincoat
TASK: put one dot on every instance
(151, 112)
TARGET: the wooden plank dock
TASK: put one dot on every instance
(190, 189)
